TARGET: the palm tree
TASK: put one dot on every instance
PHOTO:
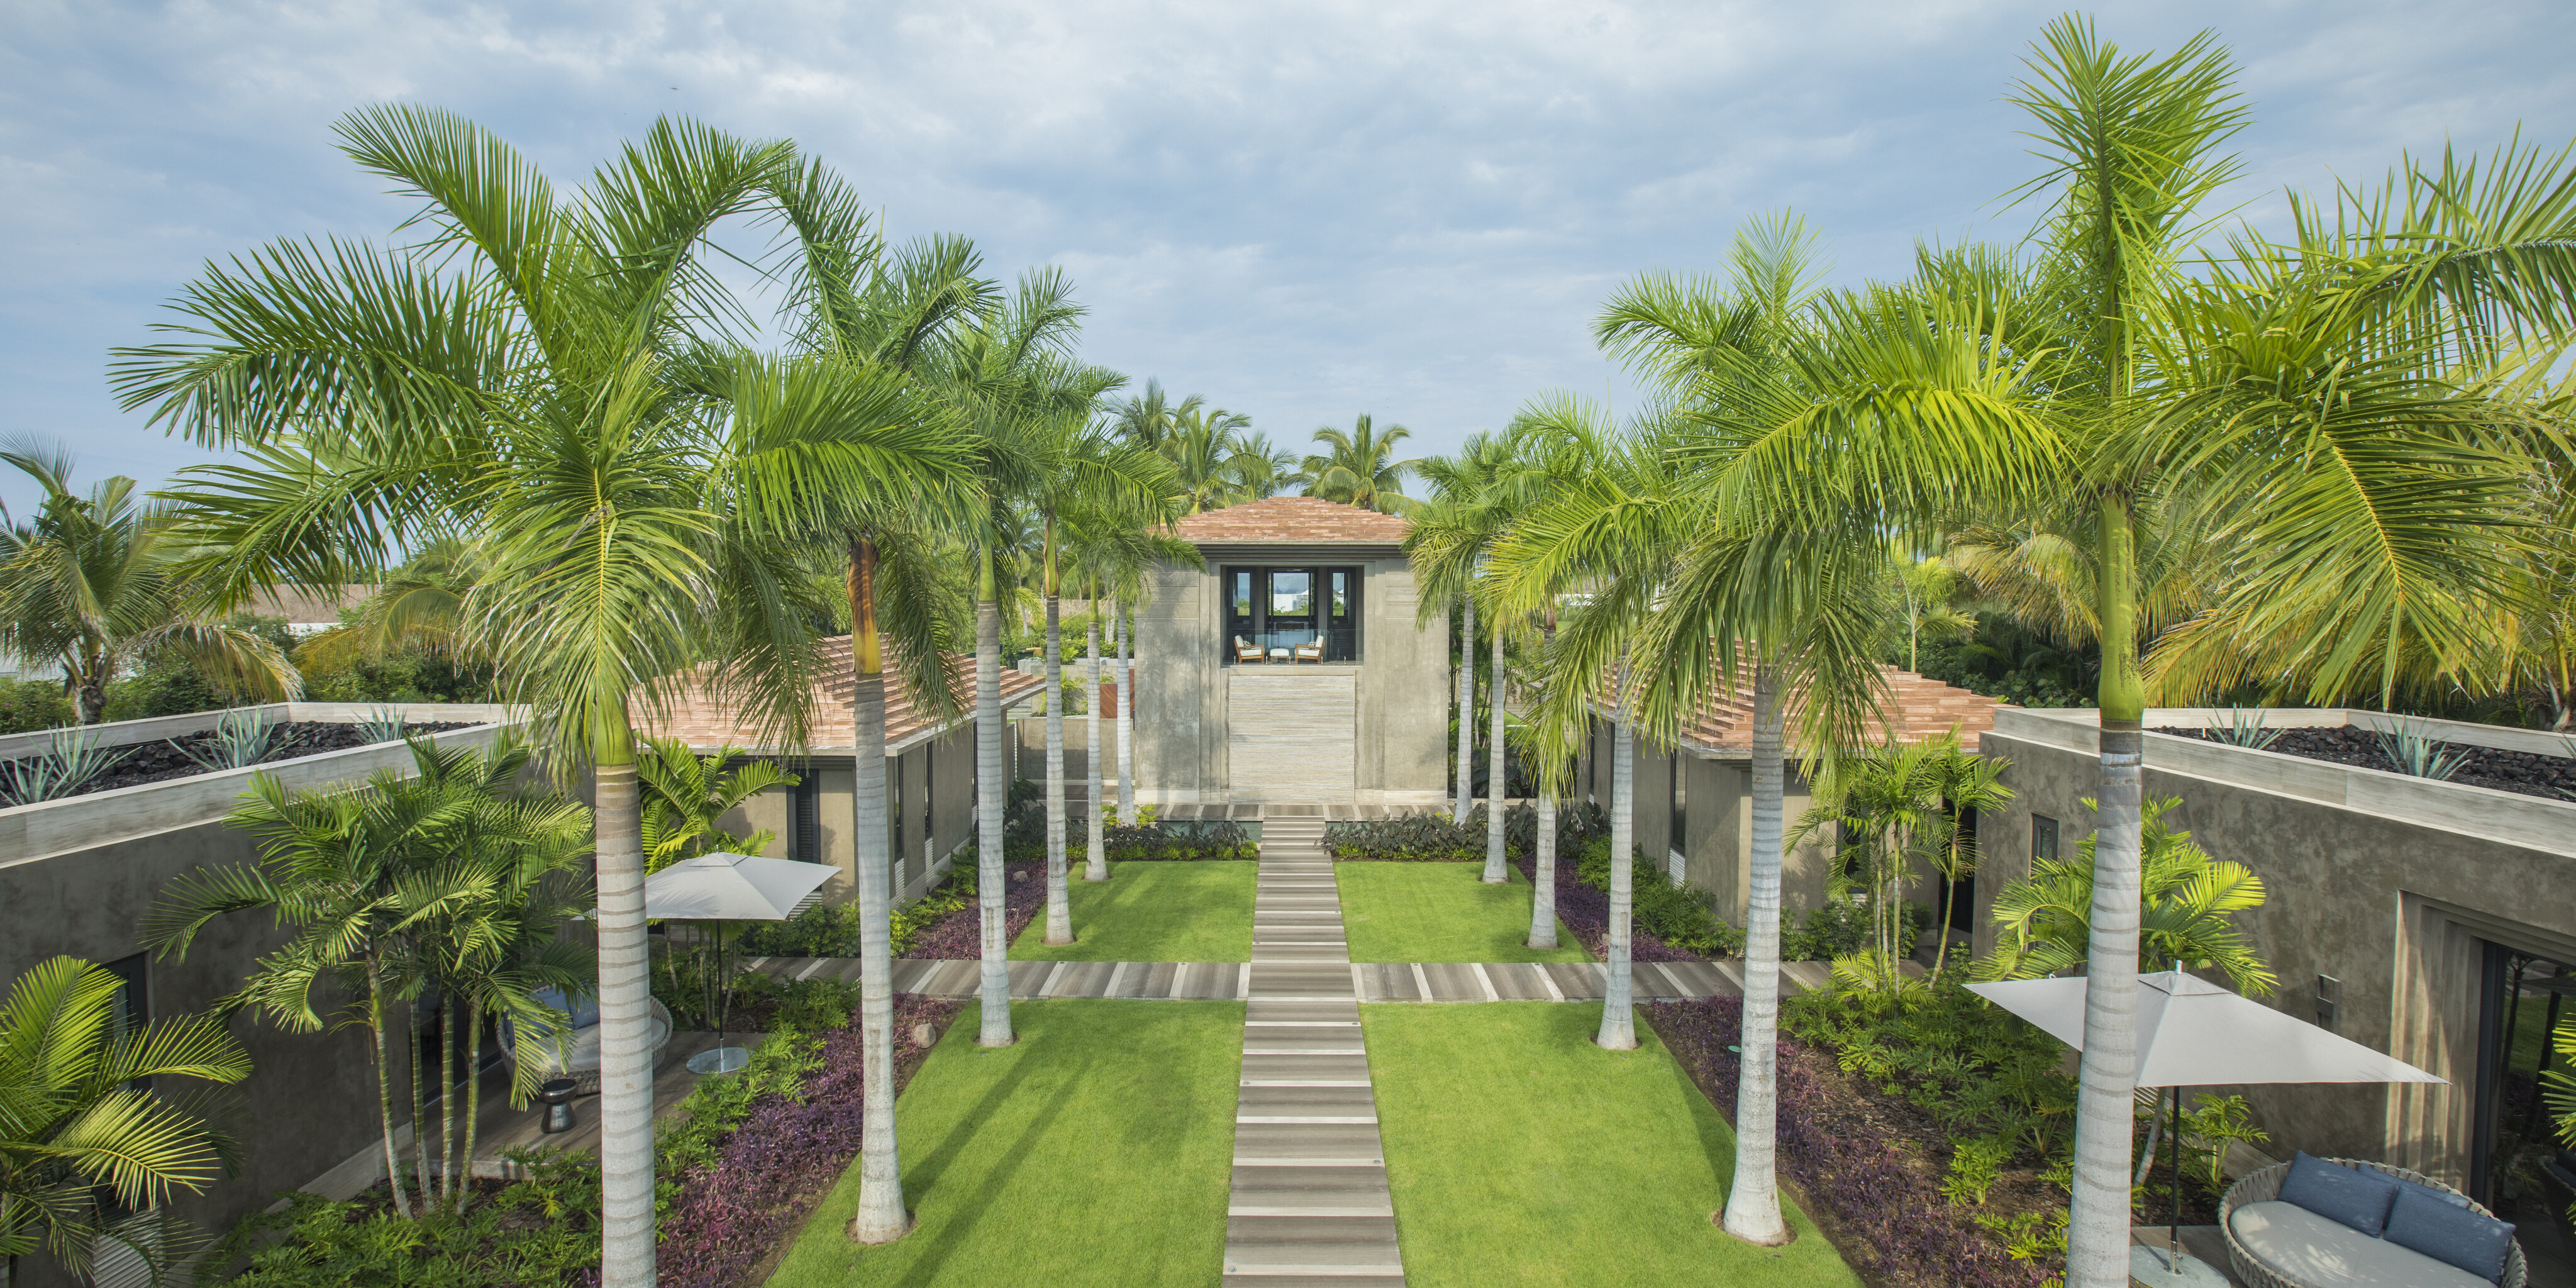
(1151, 420)
(2187, 901)
(1360, 467)
(1972, 787)
(1928, 593)
(2348, 413)
(685, 794)
(1259, 471)
(1709, 592)
(92, 583)
(528, 376)
(90, 1109)
(1446, 544)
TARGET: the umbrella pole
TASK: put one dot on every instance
(2173, 1254)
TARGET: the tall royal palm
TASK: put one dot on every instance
(2345, 412)
(1469, 508)
(1359, 466)
(535, 374)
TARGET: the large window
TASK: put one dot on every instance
(1284, 616)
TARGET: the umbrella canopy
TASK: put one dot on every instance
(733, 887)
(2192, 1033)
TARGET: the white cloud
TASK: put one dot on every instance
(1303, 212)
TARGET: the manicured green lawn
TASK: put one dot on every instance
(1440, 912)
(1520, 1153)
(1197, 911)
(1095, 1151)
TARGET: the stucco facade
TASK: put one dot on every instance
(1380, 720)
(2383, 890)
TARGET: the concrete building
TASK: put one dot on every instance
(1293, 666)
(930, 772)
(1692, 800)
(2401, 912)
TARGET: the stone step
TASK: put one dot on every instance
(1355, 1142)
(1305, 1068)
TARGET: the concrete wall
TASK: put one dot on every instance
(77, 877)
(1181, 689)
(1718, 850)
(944, 765)
(2382, 882)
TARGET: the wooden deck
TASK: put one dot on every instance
(503, 1128)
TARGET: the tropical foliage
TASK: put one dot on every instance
(2044, 924)
(95, 1132)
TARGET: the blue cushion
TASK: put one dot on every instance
(2452, 1197)
(584, 1010)
(2451, 1235)
(2357, 1198)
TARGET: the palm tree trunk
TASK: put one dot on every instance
(1753, 1204)
(385, 1083)
(1618, 1014)
(1122, 695)
(625, 1026)
(1467, 712)
(446, 1100)
(2097, 1238)
(1497, 790)
(1542, 932)
(1097, 869)
(991, 880)
(881, 1217)
(90, 692)
(473, 1088)
(419, 1109)
(1059, 902)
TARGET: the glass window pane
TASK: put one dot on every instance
(1292, 594)
(1243, 593)
(1341, 593)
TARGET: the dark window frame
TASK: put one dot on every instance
(1335, 603)
(2043, 837)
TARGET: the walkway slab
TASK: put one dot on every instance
(1310, 1206)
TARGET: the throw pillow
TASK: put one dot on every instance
(2455, 1199)
(584, 1010)
(2451, 1235)
(2350, 1195)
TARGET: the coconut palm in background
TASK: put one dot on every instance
(1446, 543)
(548, 376)
(92, 583)
(1359, 467)
(91, 1114)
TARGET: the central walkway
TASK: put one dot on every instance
(1310, 1203)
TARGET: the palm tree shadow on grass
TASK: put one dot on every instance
(947, 1239)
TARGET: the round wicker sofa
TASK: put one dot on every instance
(2264, 1186)
(582, 1066)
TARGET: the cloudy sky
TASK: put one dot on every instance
(1303, 212)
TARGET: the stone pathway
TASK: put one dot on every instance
(1310, 1206)
(1370, 981)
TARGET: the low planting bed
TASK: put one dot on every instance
(739, 1166)
(1928, 1166)
(1435, 838)
(2528, 773)
(164, 759)
(1152, 912)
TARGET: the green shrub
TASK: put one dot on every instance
(1975, 1166)
(1974, 1069)
(1434, 838)
(1672, 912)
(29, 705)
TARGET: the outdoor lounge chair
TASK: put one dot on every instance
(1311, 652)
(575, 1054)
(1246, 652)
(2272, 1243)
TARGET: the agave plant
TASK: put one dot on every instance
(241, 740)
(382, 724)
(2414, 752)
(2245, 727)
(68, 763)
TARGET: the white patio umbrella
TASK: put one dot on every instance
(2192, 1033)
(723, 887)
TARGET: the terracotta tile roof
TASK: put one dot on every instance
(1924, 709)
(307, 604)
(1294, 520)
(707, 723)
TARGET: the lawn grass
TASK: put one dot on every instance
(1441, 912)
(1522, 1154)
(1094, 1151)
(1195, 911)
